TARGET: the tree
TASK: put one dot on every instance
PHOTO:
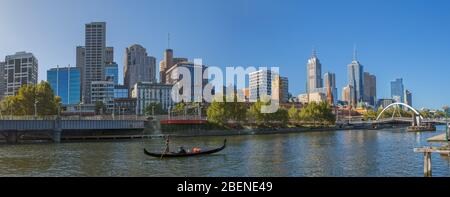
(280, 116)
(217, 113)
(220, 112)
(155, 108)
(293, 114)
(236, 110)
(99, 107)
(370, 115)
(255, 112)
(27, 96)
(317, 112)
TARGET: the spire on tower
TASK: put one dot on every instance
(168, 40)
(314, 52)
(355, 53)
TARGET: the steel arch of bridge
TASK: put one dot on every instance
(402, 104)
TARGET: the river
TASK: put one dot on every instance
(366, 153)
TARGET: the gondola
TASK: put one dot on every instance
(188, 154)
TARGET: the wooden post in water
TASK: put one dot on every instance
(427, 151)
(427, 164)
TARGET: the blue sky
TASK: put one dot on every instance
(395, 38)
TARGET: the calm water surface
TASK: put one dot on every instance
(336, 153)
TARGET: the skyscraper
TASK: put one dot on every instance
(260, 84)
(20, 69)
(355, 79)
(408, 98)
(197, 82)
(330, 86)
(2, 80)
(166, 64)
(95, 56)
(313, 74)
(370, 89)
(280, 86)
(348, 95)
(65, 83)
(109, 54)
(138, 66)
(80, 60)
(397, 90)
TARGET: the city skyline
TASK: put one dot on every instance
(387, 51)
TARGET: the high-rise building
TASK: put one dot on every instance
(313, 74)
(370, 89)
(197, 82)
(382, 103)
(315, 97)
(330, 86)
(348, 95)
(2, 80)
(109, 54)
(146, 93)
(168, 62)
(65, 83)
(95, 56)
(20, 69)
(112, 72)
(408, 98)
(138, 66)
(260, 84)
(103, 91)
(397, 90)
(280, 86)
(80, 60)
(356, 79)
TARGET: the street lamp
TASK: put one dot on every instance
(35, 108)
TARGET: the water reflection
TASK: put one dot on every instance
(339, 153)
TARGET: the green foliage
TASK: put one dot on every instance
(222, 112)
(23, 103)
(254, 112)
(293, 114)
(154, 108)
(370, 115)
(281, 116)
(100, 107)
(217, 113)
(318, 112)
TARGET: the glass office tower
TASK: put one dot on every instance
(65, 83)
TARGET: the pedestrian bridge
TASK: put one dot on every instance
(400, 120)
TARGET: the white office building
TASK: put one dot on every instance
(103, 91)
(20, 69)
(146, 93)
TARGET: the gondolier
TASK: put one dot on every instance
(167, 144)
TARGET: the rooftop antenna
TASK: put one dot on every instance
(355, 53)
(314, 52)
(168, 40)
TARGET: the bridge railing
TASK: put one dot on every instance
(98, 117)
